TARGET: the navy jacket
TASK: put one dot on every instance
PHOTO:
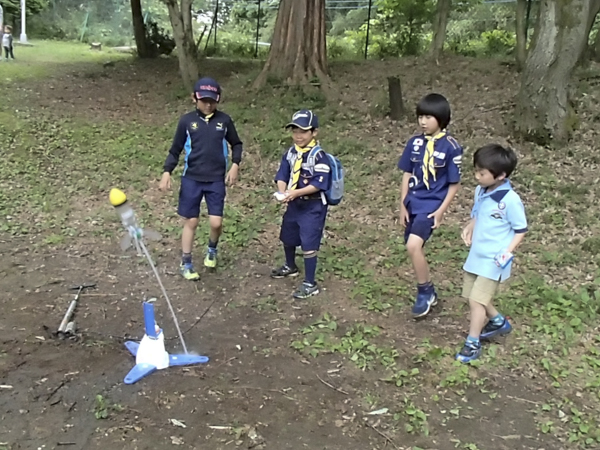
(205, 144)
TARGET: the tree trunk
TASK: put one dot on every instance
(396, 103)
(298, 51)
(183, 33)
(139, 29)
(521, 33)
(543, 111)
(439, 27)
(591, 49)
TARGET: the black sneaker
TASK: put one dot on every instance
(306, 290)
(284, 271)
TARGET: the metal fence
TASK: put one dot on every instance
(245, 27)
(488, 27)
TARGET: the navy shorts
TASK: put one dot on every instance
(303, 224)
(191, 194)
(419, 225)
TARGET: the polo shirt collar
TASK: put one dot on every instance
(498, 194)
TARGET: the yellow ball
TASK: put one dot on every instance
(117, 197)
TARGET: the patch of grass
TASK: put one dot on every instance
(45, 58)
(103, 407)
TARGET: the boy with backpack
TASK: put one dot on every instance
(308, 180)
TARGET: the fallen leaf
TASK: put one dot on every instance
(176, 440)
(378, 412)
(178, 423)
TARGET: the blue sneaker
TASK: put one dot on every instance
(490, 330)
(424, 303)
(469, 352)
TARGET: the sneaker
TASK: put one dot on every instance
(187, 271)
(211, 258)
(424, 303)
(306, 290)
(469, 352)
(284, 271)
(490, 330)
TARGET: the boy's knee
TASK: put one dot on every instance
(215, 222)
(192, 222)
(414, 245)
(310, 254)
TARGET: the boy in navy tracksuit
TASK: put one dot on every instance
(204, 135)
(302, 188)
(431, 164)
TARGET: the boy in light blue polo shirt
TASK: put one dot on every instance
(497, 227)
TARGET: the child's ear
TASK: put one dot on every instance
(501, 177)
(193, 97)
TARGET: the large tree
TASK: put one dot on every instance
(298, 50)
(180, 15)
(543, 112)
(439, 27)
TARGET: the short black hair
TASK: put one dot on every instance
(437, 106)
(495, 158)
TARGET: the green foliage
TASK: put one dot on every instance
(498, 42)
(159, 39)
(403, 22)
(13, 7)
(108, 22)
(479, 29)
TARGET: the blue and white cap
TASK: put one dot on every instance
(304, 119)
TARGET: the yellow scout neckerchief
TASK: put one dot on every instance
(298, 163)
(428, 164)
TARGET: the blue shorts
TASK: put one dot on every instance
(191, 194)
(419, 225)
(303, 224)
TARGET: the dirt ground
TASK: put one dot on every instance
(256, 391)
(253, 381)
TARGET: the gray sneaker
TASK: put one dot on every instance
(306, 290)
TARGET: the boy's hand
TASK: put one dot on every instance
(232, 175)
(165, 182)
(290, 195)
(404, 217)
(467, 233)
(503, 258)
(437, 217)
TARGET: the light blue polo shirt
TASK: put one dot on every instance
(499, 215)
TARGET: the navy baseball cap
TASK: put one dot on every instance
(207, 88)
(304, 119)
